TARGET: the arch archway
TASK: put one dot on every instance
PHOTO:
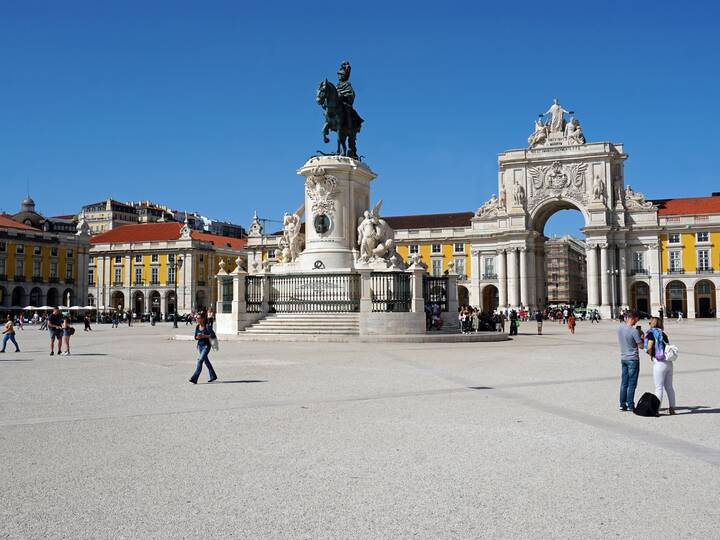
(36, 297)
(490, 298)
(705, 299)
(170, 302)
(3, 296)
(19, 297)
(52, 297)
(463, 295)
(155, 302)
(640, 296)
(675, 298)
(200, 300)
(118, 301)
(138, 303)
(68, 297)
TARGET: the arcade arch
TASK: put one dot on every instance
(118, 301)
(705, 299)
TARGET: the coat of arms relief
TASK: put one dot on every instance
(558, 180)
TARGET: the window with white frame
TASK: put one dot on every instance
(118, 276)
(638, 261)
(460, 267)
(271, 253)
(675, 261)
(703, 259)
(3, 247)
(2, 267)
(91, 259)
(68, 270)
(414, 249)
(53, 251)
(91, 276)
(459, 247)
(171, 275)
(154, 275)
(489, 268)
(53, 269)
(69, 254)
(20, 249)
(437, 267)
(37, 269)
(171, 258)
(674, 238)
(138, 258)
(154, 258)
(19, 267)
(138, 276)
(703, 236)
(436, 248)
(118, 259)
(37, 250)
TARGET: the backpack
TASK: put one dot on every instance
(659, 345)
(649, 405)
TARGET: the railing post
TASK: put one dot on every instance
(452, 293)
(365, 291)
(265, 306)
(239, 277)
(417, 304)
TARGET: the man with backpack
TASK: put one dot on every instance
(630, 345)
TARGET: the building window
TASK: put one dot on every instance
(91, 259)
(68, 270)
(138, 276)
(459, 247)
(118, 276)
(414, 249)
(91, 277)
(171, 258)
(202, 258)
(437, 267)
(53, 251)
(638, 261)
(20, 249)
(460, 267)
(675, 261)
(2, 267)
(118, 259)
(53, 269)
(3, 247)
(69, 254)
(154, 275)
(436, 248)
(138, 259)
(37, 268)
(703, 259)
(37, 251)
(154, 258)
(171, 275)
(703, 237)
(271, 254)
(674, 238)
(489, 270)
(19, 267)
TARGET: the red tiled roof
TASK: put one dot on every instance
(156, 232)
(689, 205)
(430, 221)
(7, 221)
(66, 216)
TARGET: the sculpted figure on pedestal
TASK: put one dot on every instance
(540, 134)
(598, 189)
(555, 131)
(377, 239)
(635, 199)
(291, 242)
(491, 207)
(519, 194)
(557, 122)
(340, 116)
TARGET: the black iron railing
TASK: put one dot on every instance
(641, 271)
(390, 291)
(227, 295)
(435, 291)
(705, 270)
(334, 293)
(253, 294)
(489, 275)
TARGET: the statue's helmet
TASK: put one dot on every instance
(344, 69)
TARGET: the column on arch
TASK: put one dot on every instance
(592, 276)
(604, 277)
(654, 270)
(513, 278)
(622, 256)
(524, 280)
(502, 279)
(540, 288)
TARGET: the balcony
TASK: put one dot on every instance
(155, 282)
(639, 271)
(19, 278)
(138, 283)
(91, 284)
(3, 277)
(705, 270)
(676, 271)
(117, 283)
(69, 281)
(489, 276)
(201, 283)
(37, 279)
(54, 279)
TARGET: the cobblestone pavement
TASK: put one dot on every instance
(517, 439)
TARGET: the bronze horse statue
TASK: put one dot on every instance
(339, 117)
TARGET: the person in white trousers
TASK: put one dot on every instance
(662, 369)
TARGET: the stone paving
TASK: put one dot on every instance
(517, 439)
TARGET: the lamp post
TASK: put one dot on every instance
(612, 274)
(177, 265)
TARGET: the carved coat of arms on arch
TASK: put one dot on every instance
(321, 188)
(558, 176)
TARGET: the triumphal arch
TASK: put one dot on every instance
(558, 170)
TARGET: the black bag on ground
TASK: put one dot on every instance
(649, 405)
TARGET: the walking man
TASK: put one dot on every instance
(630, 344)
(539, 319)
(513, 322)
(55, 325)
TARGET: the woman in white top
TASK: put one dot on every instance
(662, 369)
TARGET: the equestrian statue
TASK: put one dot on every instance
(339, 113)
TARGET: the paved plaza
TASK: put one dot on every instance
(517, 439)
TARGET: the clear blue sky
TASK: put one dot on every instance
(209, 105)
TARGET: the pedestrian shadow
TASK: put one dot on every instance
(699, 409)
(89, 354)
(245, 381)
(16, 359)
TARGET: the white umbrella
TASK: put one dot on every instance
(91, 308)
(29, 308)
(75, 308)
(46, 307)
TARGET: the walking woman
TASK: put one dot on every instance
(67, 331)
(86, 320)
(9, 334)
(571, 322)
(203, 335)
(657, 340)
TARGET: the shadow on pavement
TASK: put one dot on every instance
(247, 381)
(700, 409)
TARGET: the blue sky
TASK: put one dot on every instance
(210, 105)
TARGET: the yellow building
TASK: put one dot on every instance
(41, 266)
(141, 268)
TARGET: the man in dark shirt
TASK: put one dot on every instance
(630, 343)
(55, 322)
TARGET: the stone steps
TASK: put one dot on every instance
(340, 324)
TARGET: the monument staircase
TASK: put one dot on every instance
(316, 323)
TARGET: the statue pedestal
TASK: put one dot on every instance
(337, 192)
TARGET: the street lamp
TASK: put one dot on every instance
(177, 265)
